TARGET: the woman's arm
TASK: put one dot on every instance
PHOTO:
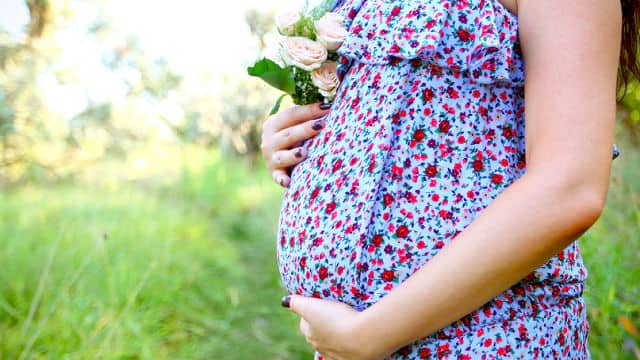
(570, 49)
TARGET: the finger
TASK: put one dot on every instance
(296, 115)
(289, 137)
(286, 158)
(296, 303)
(280, 177)
(304, 328)
(308, 308)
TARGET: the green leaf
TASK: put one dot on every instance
(322, 8)
(306, 28)
(276, 106)
(274, 75)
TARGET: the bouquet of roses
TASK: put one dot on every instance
(306, 68)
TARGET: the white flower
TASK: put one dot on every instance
(303, 53)
(331, 31)
(326, 79)
(286, 22)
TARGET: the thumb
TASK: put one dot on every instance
(295, 303)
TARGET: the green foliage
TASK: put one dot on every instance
(60, 141)
(305, 27)
(306, 92)
(184, 272)
(276, 106)
(611, 250)
(273, 74)
(630, 114)
(6, 117)
(322, 8)
(241, 112)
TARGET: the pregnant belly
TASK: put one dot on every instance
(339, 236)
(326, 211)
(319, 242)
(357, 220)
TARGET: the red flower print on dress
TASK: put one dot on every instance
(330, 207)
(427, 95)
(464, 35)
(478, 165)
(431, 171)
(323, 273)
(388, 275)
(377, 239)
(444, 126)
(402, 231)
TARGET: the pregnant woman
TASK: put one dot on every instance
(436, 210)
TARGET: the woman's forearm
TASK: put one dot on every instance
(532, 220)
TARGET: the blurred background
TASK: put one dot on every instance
(137, 220)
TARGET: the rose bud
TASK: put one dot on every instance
(326, 79)
(303, 53)
(330, 31)
(286, 22)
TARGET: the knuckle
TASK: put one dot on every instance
(276, 159)
(274, 177)
(301, 112)
(288, 113)
(295, 111)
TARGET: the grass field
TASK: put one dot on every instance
(186, 270)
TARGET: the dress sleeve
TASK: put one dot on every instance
(476, 37)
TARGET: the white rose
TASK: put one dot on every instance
(286, 22)
(326, 79)
(331, 31)
(303, 53)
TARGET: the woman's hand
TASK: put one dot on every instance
(332, 328)
(282, 132)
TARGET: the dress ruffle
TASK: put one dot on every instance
(438, 32)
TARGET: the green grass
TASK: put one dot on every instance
(187, 270)
(611, 249)
(127, 272)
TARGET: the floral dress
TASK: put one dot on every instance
(427, 128)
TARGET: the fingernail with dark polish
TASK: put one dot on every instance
(325, 106)
(298, 153)
(286, 300)
(317, 125)
(281, 182)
